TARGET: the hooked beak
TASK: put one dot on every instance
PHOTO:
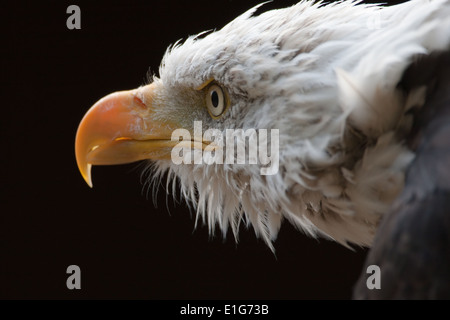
(120, 128)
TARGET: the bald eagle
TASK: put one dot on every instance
(359, 97)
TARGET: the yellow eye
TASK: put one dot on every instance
(216, 101)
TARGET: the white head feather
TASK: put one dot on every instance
(326, 77)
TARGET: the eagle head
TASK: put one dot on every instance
(298, 84)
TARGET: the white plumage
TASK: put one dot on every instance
(326, 76)
(317, 73)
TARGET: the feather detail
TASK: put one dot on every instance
(327, 77)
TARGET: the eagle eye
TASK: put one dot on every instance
(216, 100)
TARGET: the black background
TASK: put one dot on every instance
(125, 246)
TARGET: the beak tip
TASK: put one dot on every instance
(88, 177)
(86, 173)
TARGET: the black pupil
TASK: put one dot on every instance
(215, 99)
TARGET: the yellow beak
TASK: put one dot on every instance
(120, 128)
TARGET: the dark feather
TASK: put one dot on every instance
(412, 245)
